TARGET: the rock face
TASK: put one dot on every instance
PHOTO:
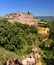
(43, 31)
(22, 17)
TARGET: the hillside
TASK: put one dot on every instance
(17, 39)
(6, 53)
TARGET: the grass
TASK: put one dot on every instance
(5, 53)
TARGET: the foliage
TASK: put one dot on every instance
(28, 12)
(14, 36)
(52, 30)
(48, 49)
(42, 20)
(28, 50)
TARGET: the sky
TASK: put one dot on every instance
(36, 7)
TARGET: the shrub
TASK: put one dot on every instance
(28, 51)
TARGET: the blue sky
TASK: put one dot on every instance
(37, 7)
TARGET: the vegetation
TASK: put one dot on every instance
(28, 13)
(52, 30)
(48, 46)
(20, 38)
(14, 36)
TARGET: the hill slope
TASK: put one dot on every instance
(17, 39)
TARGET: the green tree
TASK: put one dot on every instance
(52, 30)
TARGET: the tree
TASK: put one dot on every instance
(52, 30)
(28, 12)
(33, 29)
